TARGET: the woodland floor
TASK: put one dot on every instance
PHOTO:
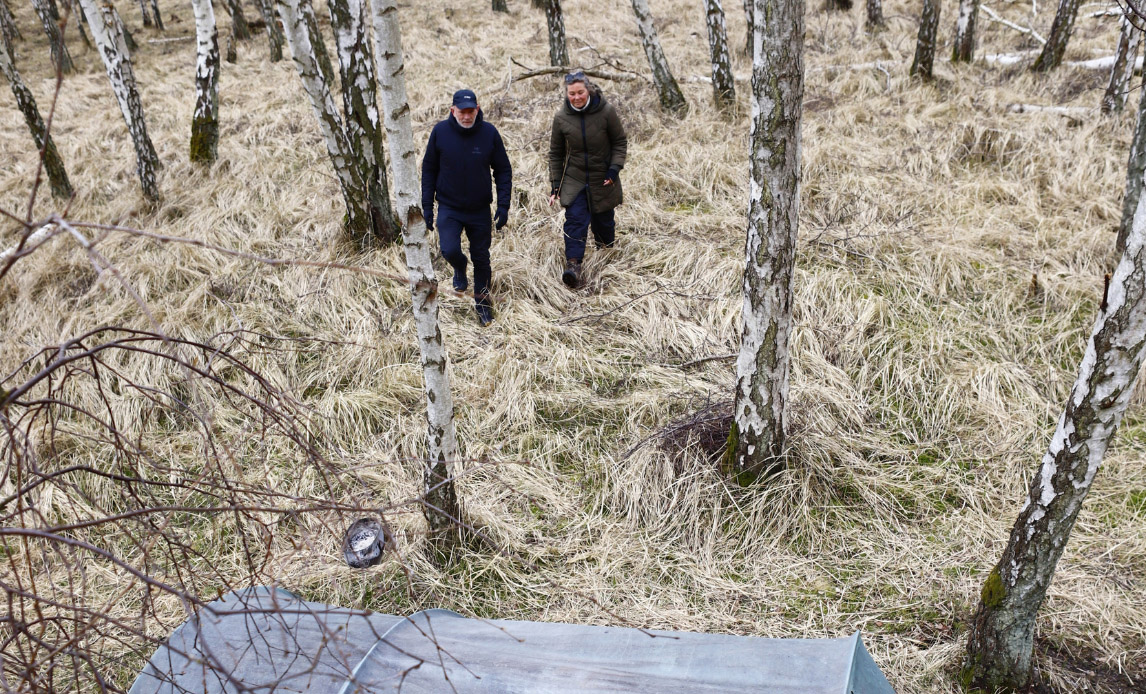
(950, 267)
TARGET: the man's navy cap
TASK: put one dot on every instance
(465, 98)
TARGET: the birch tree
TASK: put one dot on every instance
(749, 6)
(74, 11)
(299, 28)
(155, 14)
(874, 15)
(53, 164)
(442, 510)
(723, 85)
(555, 22)
(1002, 632)
(8, 29)
(240, 29)
(50, 20)
(964, 50)
(1129, 36)
(668, 90)
(925, 44)
(107, 32)
(756, 442)
(1055, 47)
(274, 33)
(143, 13)
(205, 120)
(1135, 170)
(349, 20)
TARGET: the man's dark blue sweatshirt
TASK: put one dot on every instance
(457, 166)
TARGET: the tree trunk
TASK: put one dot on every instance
(155, 13)
(925, 45)
(274, 32)
(239, 27)
(205, 121)
(8, 29)
(349, 20)
(875, 15)
(143, 13)
(1135, 170)
(1002, 632)
(50, 20)
(723, 85)
(1055, 47)
(757, 439)
(667, 89)
(1118, 89)
(107, 31)
(299, 28)
(749, 6)
(73, 11)
(964, 51)
(558, 52)
(442, 510)
(839, 5)
(500, 6)
(57, 175)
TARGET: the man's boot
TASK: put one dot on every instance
(572, 275)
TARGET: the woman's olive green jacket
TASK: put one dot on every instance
(593, 141)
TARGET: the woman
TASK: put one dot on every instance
(586, 153)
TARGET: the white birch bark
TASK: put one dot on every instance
(874, 14)
(925, 43)
(1129, 36)
(1135, 169)
(762, 368)
(53, 164)
(668, 90)
(298, 26)
(964, 51)
(205, 120)
(61, 59)
(749, 10)
(348, 19)
(723, 84)
(274, 33)
(107, 32)
(442, 509)
(8, 28)
(1002, 634)
(1055, 47)
(555, 23)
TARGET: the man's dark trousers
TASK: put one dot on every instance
(578, 218)
(479, 230)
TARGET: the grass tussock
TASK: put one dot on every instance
(950, 268)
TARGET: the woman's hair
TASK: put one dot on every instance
(579, 76)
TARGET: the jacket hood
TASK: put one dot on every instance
(596, 103)
(466, 132)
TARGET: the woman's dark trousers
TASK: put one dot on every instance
(578, 219)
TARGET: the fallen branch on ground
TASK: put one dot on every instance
(1073, 112)
(991, 15)
(561, 69)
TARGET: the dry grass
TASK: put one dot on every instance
(928, 370)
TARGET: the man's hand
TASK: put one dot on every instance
(553, 196)
(500, 218)
(611, 176)
(428, 215)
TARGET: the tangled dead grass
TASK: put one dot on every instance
(951, 264)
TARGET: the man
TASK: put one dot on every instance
(462, 151)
